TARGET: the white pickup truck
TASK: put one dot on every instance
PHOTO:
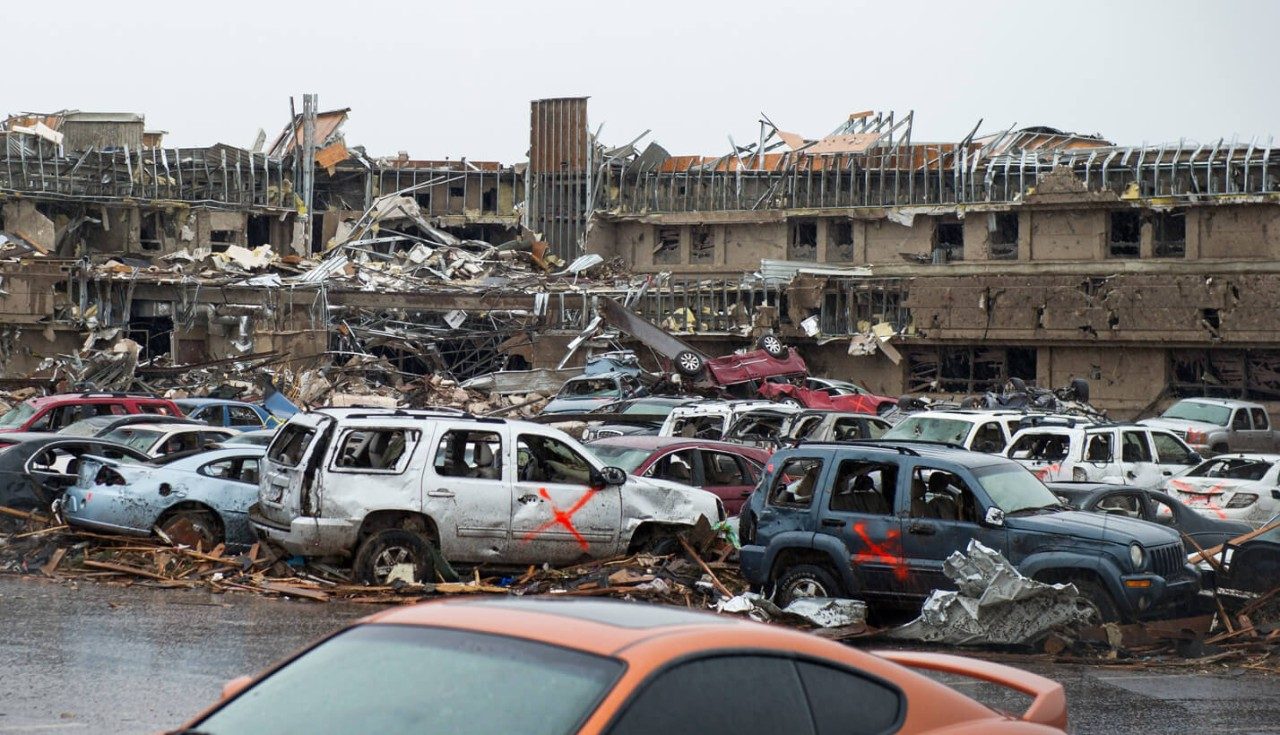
(1219, 425)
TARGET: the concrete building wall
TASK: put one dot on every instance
(1238, 232)
(884, 241)
(1122, 380)
(1066, 234)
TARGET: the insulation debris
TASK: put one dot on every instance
(994, 604)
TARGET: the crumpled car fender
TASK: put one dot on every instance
(647, 500)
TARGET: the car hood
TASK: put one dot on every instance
(575, 405)
(1080, 524)
(1181, 425)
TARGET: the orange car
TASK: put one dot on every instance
(512, 665)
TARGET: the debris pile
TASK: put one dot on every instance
(994, 604)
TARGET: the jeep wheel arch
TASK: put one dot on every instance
(824, 551)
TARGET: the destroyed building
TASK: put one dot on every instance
(908, 266)
(1029, 253)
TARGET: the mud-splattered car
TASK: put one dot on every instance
(395, 489)
(191, 498)
(877, 520)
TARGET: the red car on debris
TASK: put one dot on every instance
(835, 395)
(50, 413)
(731, 471)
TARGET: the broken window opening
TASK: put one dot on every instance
(1125, 234)
(376, 450)
(803, 242)
(948, 242)
(457, 192)
(702, 249)
(220, 239)
(149, 232)
(423, 198)
(1169, 234)
(1003, 235)
(668, 249)
(968, 370)
(840, 240)
(469, 454)
(1225, 374)
(259, 230)
(489, 200)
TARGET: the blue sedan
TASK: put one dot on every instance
(189, 498)
(223, 412)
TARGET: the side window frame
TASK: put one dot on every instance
(413, 438)
(1265, 424)
(775, 490)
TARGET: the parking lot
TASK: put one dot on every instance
(94, 658)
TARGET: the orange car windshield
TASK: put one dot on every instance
(408, 678)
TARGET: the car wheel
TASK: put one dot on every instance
(805, 580)
(772, 345)
(689, 363)
(191, 528)
(1099, 599)
(384, 551)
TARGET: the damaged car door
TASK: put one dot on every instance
(559, 512)
(466, 491)
(292, 468)
(860, 515)
(942, 514)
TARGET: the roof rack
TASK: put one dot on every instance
(106, 394)
(401, 413)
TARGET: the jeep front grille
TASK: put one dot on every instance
(1168, 561)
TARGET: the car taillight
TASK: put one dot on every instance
(1195, 437)
(1079, 475)
(108, 476)
(1242, 500)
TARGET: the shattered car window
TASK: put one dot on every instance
(596, 388)
(412, 679)
(1234, 469)
(625, 458)
(699, 427)
(139, 439)
(926, 428)
(469, 454)
(1012, 488)
(1044, 447)
(1204, 412)
(796, 482)
(543, 459)
(290, 444)
(18, 415)
(375, 449)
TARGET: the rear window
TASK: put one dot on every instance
(139, 439)
(1232, 469)
(928, 428)
(290, 444)
(17, 416)
(416, 679)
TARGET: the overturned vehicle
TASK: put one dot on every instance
(404, 493)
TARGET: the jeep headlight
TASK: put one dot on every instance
(1242, 500)
(1137, 556)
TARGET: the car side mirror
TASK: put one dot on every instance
(1194, 458)
(235, 686)
(994, 517)
(610, 477)
(1275, 493)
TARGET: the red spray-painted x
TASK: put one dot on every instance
(562, 517)
(882, 552)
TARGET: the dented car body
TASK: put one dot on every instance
(381, 486)
(192, 494)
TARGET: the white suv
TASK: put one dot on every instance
(981, 431)
(395, 490)
(1059, 450)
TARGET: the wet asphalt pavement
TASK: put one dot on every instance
(92, 658)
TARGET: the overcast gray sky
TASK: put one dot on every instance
(455, 78)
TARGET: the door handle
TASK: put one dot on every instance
(745, 494)
(834, 522)
(924, 529)
(1167, 473)
(527, 498)
(1131, 474)
(441, 493)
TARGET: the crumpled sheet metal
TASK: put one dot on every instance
(994, 604)
(824, 612)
